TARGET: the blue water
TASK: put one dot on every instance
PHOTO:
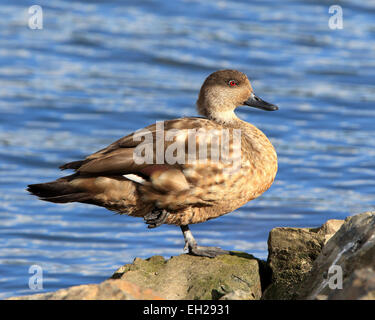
(100, 69)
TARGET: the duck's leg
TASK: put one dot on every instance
(156, 217)
(191, 245)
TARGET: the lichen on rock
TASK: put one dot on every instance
(197, 278)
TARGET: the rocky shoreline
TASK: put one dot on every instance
(335, 261)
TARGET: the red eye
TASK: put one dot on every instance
(232, 83)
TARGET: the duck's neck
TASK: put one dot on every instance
(226, 117)
(223, 117)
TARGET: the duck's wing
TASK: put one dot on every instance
(119, 157)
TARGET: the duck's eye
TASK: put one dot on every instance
(232, 83)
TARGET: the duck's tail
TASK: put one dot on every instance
(59, 191)
(112, 192)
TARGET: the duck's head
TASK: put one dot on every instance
(225, 90)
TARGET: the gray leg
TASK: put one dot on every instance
(191, 245)
(156, 217)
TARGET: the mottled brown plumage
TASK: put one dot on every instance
(189, 191)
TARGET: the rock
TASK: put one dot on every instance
(359, 286)
(328, 229)
(234, 276)
(107, 290)
(345, 267)
(291, 252)
(238, 295)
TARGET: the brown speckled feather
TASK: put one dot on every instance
(194, 191)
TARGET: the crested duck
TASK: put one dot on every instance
(181, 189)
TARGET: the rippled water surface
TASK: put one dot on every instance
(101, 69)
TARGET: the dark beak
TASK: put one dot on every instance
(257, 102)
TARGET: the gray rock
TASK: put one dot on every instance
(350, 253)
(291, 253)
(359, 286)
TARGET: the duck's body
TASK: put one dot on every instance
(188, 190)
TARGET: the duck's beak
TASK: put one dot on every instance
(257, 102)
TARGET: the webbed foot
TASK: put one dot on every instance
(156, 217)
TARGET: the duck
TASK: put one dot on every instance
(154, 173)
